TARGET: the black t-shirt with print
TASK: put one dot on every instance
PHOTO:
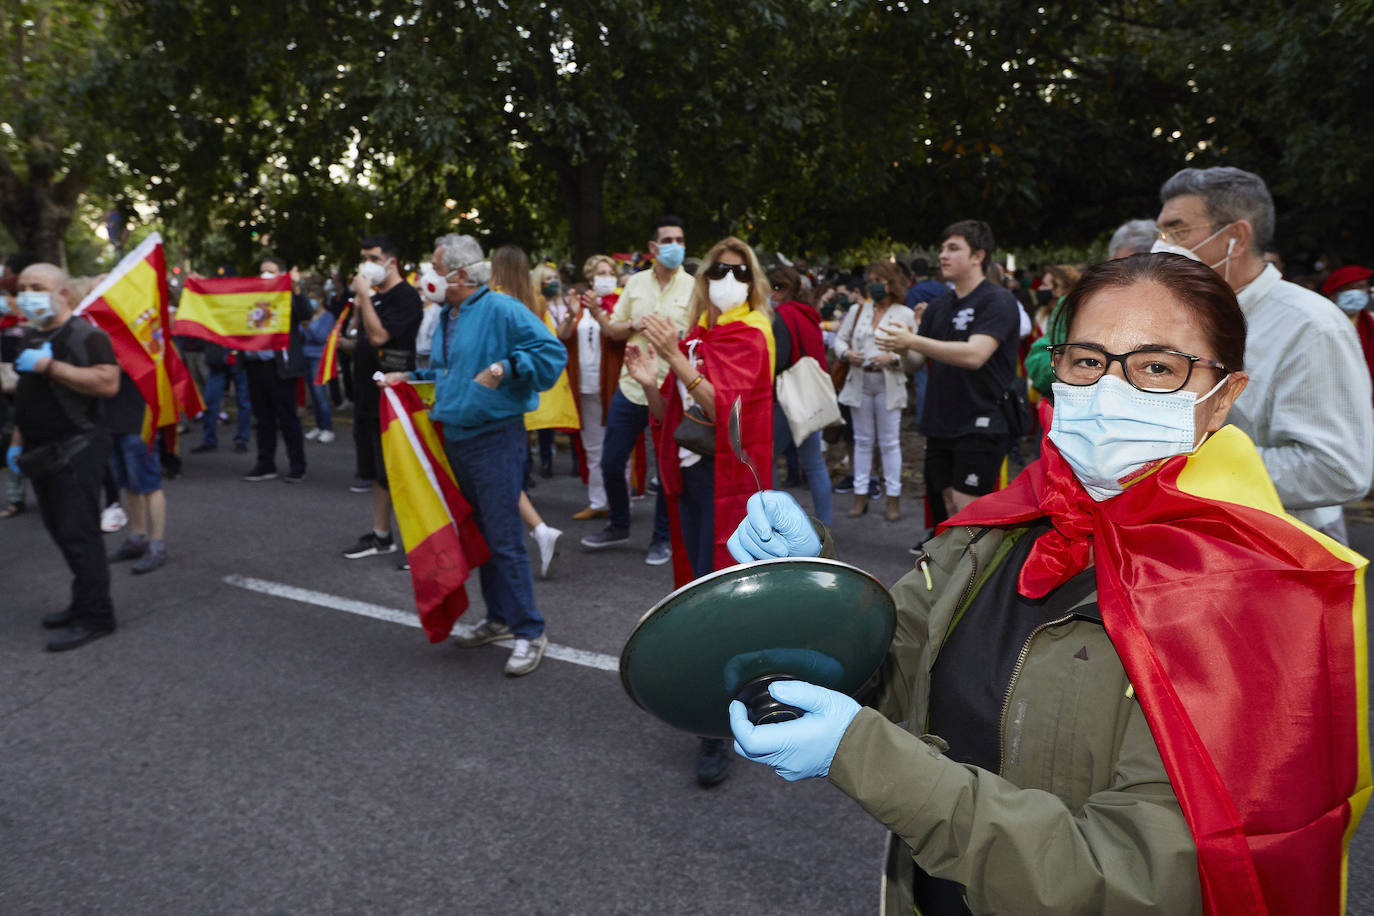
(963, 401)
(400, 311)
(43, 414)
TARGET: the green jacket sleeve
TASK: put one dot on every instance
(1127, 850)
(1038, 368)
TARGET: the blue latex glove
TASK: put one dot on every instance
(29, 358)
(774, 525)
(804, 747)
(12, 457)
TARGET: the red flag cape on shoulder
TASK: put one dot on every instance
(131, 306)
(329, 354)
(440, 535)
(1364, 327)
(736, 356)
(1243, 632)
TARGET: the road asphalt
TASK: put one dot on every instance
(230, 750)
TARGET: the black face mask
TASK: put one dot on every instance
(877, 290)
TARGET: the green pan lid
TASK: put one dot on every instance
(815, 620)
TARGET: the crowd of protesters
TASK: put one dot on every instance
(629, 369)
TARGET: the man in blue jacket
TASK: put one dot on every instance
(490, 359)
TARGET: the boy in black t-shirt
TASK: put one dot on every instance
(970, 336)
(388, 311)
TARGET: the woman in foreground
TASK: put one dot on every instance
(1129, 682)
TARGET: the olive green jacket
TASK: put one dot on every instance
(1081, 817)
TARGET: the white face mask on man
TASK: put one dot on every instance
(1169, 247)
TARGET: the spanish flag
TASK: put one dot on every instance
(442, 541)
(131, 306)
(242, 313)
(329, 356)
(1244, 635)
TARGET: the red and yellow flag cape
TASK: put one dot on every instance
(131, 306)
(329, 355)
(1243, 632)
(242, 313)
(736, 355)
(442, 541)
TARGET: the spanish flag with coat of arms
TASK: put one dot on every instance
(441, 538)
(131, 306)
(241, 313)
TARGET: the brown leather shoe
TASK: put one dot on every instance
(860, 505)
(590, 513)
(893, 512)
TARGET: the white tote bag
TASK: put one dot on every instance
(807, 396)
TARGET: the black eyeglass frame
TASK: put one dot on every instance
(719, 269)
(1057, 351)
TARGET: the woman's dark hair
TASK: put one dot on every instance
(1191, 282)
(788, 279)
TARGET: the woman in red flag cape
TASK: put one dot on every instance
(1148, 683)
(727, 356)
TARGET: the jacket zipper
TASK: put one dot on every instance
(973, 576)
(1011, 686)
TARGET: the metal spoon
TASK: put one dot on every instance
(737, 445)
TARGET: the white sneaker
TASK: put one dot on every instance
(526, 655)
(113, 518)
(547, 539)
(313, 435)
(326, 436)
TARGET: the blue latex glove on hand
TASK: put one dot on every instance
(802, 748)
(29, 358)
(774, 525)
(12, 457)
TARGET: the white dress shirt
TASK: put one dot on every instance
(1307, 406)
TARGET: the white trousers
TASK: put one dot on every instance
(873, 420)
(592, 435)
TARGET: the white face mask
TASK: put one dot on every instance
(372, 272)
(1169, 247)
(267, 275)
(727, 292)
(433, 286)
(35, 304)
(603, 285)
(1110, 432)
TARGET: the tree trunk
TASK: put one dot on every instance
(37, 215)
(583, 197)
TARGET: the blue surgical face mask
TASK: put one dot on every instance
(36, 305)
(1353, 301)
(671, 255)
(1110, 432)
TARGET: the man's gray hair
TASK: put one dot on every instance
(1137, 236)
(1228, 194)
(463, 252)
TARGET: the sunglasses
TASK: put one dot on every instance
(718, 270)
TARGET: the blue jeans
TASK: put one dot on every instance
(319, 397)
(812, 461)
(919, 381)
(696, 512)
(624, 422)
(215, 382)
(490, 470)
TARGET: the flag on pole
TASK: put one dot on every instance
(329, 356)
(242, 313)
(131, 306)
(442, 541)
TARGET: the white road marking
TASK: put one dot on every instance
(581, 657)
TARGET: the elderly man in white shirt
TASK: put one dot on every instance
(1307, 406)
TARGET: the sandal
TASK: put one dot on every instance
(12, 510)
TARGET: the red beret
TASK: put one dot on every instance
(1344, 276)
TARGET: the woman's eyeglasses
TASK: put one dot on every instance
(1152, 369)
(719, 269)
